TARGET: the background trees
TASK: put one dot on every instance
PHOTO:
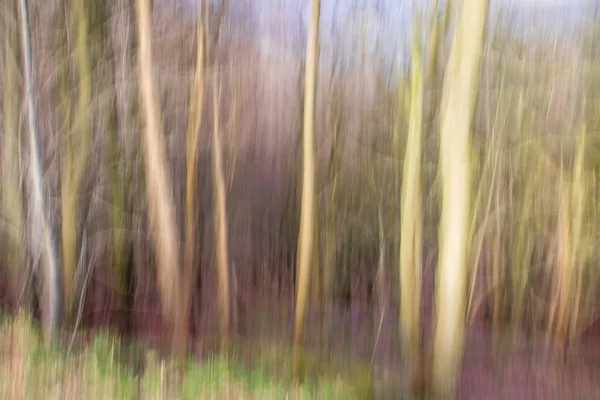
(169, 167)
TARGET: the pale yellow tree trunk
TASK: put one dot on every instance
(40, 231)
(307, 211)
(159, 191)
(411, 226)
(458, 103)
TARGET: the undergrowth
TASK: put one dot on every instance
(108, 367)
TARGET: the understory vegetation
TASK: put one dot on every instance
(102, 365)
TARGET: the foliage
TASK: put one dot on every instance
(28, 369)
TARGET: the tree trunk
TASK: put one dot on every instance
(12, 200)
(458, 104)
(40, 231)
(122, 263)
(411, 227)
(220, 213)
(75, 155)
(159, 191)
(305, 239)
(190, 273)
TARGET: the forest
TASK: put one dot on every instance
(299, 199)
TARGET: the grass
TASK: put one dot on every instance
(107, 367)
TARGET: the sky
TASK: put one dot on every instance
(550, 2)
(383, 25)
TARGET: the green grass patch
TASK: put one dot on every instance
(107, 367)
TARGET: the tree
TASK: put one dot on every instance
(12, 203)
(40, 231)
(159, 191)
(307, 211)
(192, 137)
(220, 215)
(411, 225)
(122, 270)
(75, 155)
(458, 103)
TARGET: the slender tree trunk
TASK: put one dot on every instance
(564, 266)
(12, 201)
(75, 155)
(307, 212)
(40, 231)
(159, 191)
(579, 193)
(411, 227)
(220, 213)
(193, 132)
(458, 103)
(122, 268)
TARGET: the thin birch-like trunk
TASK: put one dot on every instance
(458, 104)
(40, 232)
(307, 212)
(14, 257)
(220, 215)
(193, 133)
(411, 227)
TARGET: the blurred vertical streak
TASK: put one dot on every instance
(412, 225)
(307, 212)
(40, 231)
(191, 271)
(159, 190)
(219, 181)
(331, 229)
(14, 257)
(75, 155)
(458, 104)
(122, 268)
(220, 215)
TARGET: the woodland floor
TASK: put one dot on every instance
(359, 359)
(360, 338)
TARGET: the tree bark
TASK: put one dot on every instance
(411, 227)
(159, 191)
(458, 104)
(40, 231)
(190, 273)
(220, 213)
(305, 239)
(12, 200)
(75, 155)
